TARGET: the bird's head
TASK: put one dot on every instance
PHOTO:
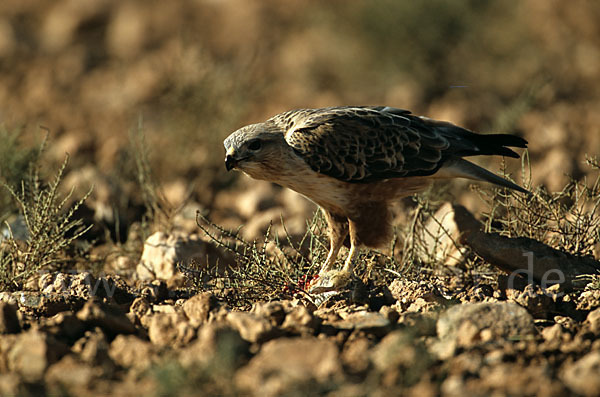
(253, 149)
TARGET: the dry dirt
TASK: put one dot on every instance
(120, 318)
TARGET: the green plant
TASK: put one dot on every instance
(51, 227)
(568, 220)
(267, 270)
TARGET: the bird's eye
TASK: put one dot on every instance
(255, 145)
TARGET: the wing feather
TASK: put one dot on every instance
(364, 144)
(367, 144)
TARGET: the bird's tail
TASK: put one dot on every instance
(462, 168)
(497, 144)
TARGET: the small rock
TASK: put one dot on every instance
(589, 300)
(198, 307)
(464, 324)
(7, 297)
(93, 348)
(593, 321)
(10, 385)
(422, 324)
(368, 322)
(273, 311)
(503, 318)
(139, 308)
(83, 285)
(390, 313)
(167, 309)
(6, 344)
(252, 327)
(441, 233)
(353, 355)
(70, 374)
(553, 333)
(170, 329)
(32, 353)
(162, 253)
(105, 317)
(537, 301)
(156, 291)
(129, 351)
(300, 321)
(397, 349)
(285, 364)
(216, 343)
(9, 322)
(415, 296)
(64, 325)
(582, 375)
(400, 357)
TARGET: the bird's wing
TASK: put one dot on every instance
(367, 144)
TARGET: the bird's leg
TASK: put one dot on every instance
(338, 230)
(333, 280)
(354, 245)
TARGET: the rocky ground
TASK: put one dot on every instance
(81, 335)
(141, 94)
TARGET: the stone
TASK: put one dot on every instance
(216, 343)
(129, 351)
(32, 352)
(390, 313)
(397, 349)
(441, 234)
(168, 329)
(300, 321)
(365, 321)
(415, 296)
(156, 291)
(92, 348)
(7, 297)
(139, 308)
(252, 327)
(9, 321)
(589, 300)
(162, 252)
(70, 374)
(83, 285)
(10, 385)
(505, 319)
(582, 375)
(593, 321)
(274, 311)
(286, 364)
(537, 302)
(198, 307)
(354, 355)
(471, 323)
(106, 317)
(553, 333)
(63, 325)
(532, 260)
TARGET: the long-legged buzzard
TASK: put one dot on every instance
(353, 161)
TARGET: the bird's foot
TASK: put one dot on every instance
(333, 280)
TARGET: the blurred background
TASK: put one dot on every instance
(186, 74)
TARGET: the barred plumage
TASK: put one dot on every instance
(352, 161)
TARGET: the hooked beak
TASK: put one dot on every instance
(230, 160)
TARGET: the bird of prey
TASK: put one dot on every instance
(353, 161)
